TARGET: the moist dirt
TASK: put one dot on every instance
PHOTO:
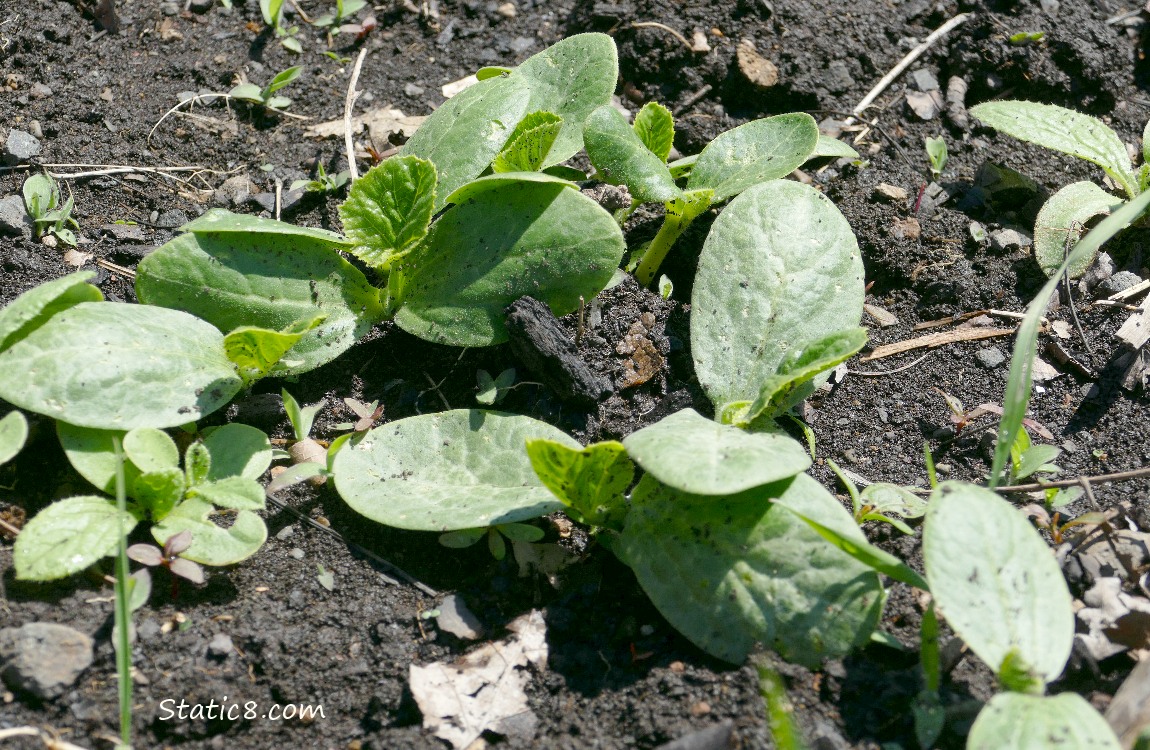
(619, 676)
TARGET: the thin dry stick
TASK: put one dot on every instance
(348, 104)
(1070, 292)
(664, 27)
(903, 64)
(225, 97)
(888, 372)
(693, 99)
(1119, 476)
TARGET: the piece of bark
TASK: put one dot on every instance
(543, 347)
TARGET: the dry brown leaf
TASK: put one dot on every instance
(380, 123)
(933, 340)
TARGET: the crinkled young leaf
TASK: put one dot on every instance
(454, 470)
(504, 179)
(388, 210)
(92, 455)
(526, 150)
(1064, 130)
(197, 463)
(269, 280)
(219, 220)
(655, 127)
(113, 365)
(158, 491)
(239, 493)
(31, 309)
(621, 158)
(238, 450)
(68, 536)
(688, 452)
(1064, 216)
(1013, 721)
(779, 270)
(255, 351)
(571, 78)
(833, 147)
(463, 136)
(544, 240)
(591, 482)
(211, 544)
(728, 571)
(151, 449)
(996, 580)
(13, 434)
(756, 152)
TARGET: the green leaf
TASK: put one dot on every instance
(114, 365)
(591, 482)
(680, 212)
(487, 388)
(221, 221)
(1012, 721)
(462, 538)
(891, 498)
(780, 269)
(756, 152)
(936, 153)
(212, 545)
(248, 92)
(656, 129)
(151, 449)
(1035, 459)
(158, 491)
(521, 532)
(571, 78)
(995, 580)
(502, 180)
(68, 536)
(92, 455)
(552, 243)
(13, 434)
(300, 418)
(238, 450)
(1060, 221)
(271, 10)
(1063, 130)
(454, 470)
(239, 493)
(197, 463)
(463, 136)
(283, 79)
(268, 280)
(492, 71)
(255, 351)
(682, 167)
(729, 571)
(621, 158)
(834, 148)
(688, 452)
(34, 307)
(526, 149)
(388, 210)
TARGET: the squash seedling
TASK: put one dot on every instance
(42, 202)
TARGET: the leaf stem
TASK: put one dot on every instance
(122, 613)
(673, 227)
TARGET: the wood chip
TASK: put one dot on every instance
(757, 69)
(451, 89)
(881, 316)
(933, 340)
(1136, 330)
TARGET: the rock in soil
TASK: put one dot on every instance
(14, 219)
(43, 658)
(20, 147)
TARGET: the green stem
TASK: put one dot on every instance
(673, 227)
(123, 625)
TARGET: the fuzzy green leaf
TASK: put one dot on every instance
(388, 210)
(158, 491)
(13, 434)
(756, 152)
(34, 307)
(221, 221)
(591, 482)
(833, 147)
(239, 493)
(620, 157)
(151, 449)
(211, 544)
(1012, 721)
(68, 536)
(656, 129)
(1063, 217)
(884, 497)
(238, 450)
(526, 150)
(197, 463)
(91, 453)
(501, 180)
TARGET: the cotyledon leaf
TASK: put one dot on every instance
(504, 179)
(1013, 721)
(460, 469)
(688, 452)
(729, 571)
(28, 311)
(758, 151)
(780, 269)
(113, 365)
(1062, 219)
(621, 157)
(217, 220)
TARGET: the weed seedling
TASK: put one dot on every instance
(368, 415)
(344, 9)
(250, 92)
(516, 532)
(169, 557)
(272, 11)
(936, 153)
(323, 182)
(493, 390)
(42, 202)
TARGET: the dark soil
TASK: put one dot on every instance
(619, 676)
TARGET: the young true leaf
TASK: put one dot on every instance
(554, 244)
(459, 469)
(116, 365)
(1062, 219)
(937, 154)
(526, 150)
(388, 210)
(833, 147)
(688, 452)
(255, 351)
(158, 491)
(92, 455)
(1012, 721)
(151, 449)
(68, 536)
(301, 418)
(756, 152)
(727, 571)
(268, 280)
(590, 482)
(1064, 130)
(197, 464)
(620, 157)
(502, 180)
(238, 450)
(211, 544)
(780, 269)
(239, 493)
(31, 309)
(13, 433)
(656, 129)
(996, 581)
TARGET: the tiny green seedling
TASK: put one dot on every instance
(266, 95)
(878, 500)
(1027, 38)
(323, 182)
(169, 557)
(1028, 459)
(344, 9)
(516, 532)
(368, 415)
(937, 154)
(42, 202)
(273, 11)
(493, 390)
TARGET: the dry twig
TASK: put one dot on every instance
(348, 104)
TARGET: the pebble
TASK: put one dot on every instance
(14, 219)
(1120, 282)
(297, 553)
(20, 147)
(990, 357)
(1009, 239)
(906, 229)
(285, 532)
(714, 737)
(924, 80)
(201, 6)
(221, 646)
(757, 69)
(413, 90)
(43, 658)
(839, 77)
(170, 9)
(888, 192)
(234, 191)
(507, 10)
(522, 44)
(1069, 446)
(173, 218)
(455, 618)
(40, 91)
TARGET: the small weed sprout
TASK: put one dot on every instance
(323, 182)
(368, 415)
(250, 92)
(344, 9)
(1027, 38)
(272, 11)
(42, 202)
(169, 557)
(493, 390)
(936, 152)
(516, 532)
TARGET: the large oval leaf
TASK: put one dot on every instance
(732, 570)
(459, 469)
(525, 238)
(689, 452)
(622, 158)
(996, 580)
(235, 279)
(1064, 217)
(1012, 721)
(29, 311)
(218, 220)
(68, 536)
(113, 365)
(756, 152)
(780, 270)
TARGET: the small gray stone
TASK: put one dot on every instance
(148, 630)
(125, 232)
(171, 219)
(170, 9)
(20, 147)
(839, 77)
(990, 357)
(297, 553)
(234, 191)
(1120, 281)
(1069, 446)
(1050, 6)
(1009, 239)
(887, 192)
(43, 658)
(924, 80)
(40, 91)
(522, 43)
(455, 618)
(201, 6)
(221, 646)
(412, 90)
(14, 219)
(286, 532)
